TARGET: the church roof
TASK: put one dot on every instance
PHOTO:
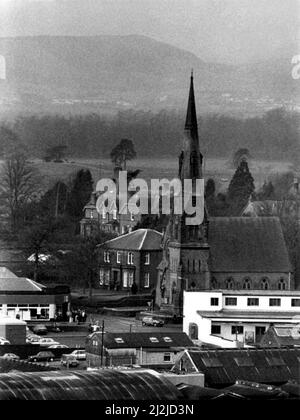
(247, 244)
(141, 239)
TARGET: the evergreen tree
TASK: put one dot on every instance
(123, 152)
(80, 194)
(240, 189)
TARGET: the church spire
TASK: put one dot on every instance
(191, 115)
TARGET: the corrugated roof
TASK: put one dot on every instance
(80, 385)
(246, 244)
(272, 366)
(144, 339)
(141, 239)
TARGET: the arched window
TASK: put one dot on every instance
(282, 284)
(193, 331)
(213, 283)
(229, 283)
(264, 284)
(247, 284)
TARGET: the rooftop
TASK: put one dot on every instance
(141, 239)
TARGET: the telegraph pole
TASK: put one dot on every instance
(102, 343)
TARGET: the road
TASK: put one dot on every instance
(111, 324)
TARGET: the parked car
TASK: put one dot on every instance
(46, 342)
(79, 354)
(40, 329)
(69, 360)
(3, 341)
(33, 339)
(58, 346)
(42, 356)
(149, 321)
(11, 356)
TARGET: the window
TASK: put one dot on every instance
(211, 362)
(252, 301)
(214, 283)
(101, 276)
(107, 278)
(215, 329)
(130, 258)
(274, 302)
(264, 284)
(132, 217)
(125, 278)
(243, 361)
(106, 256)
(247, 284)
(295, 302)
(281, 284)
(237, 329)
(147, 280)
(214, 301)
(229, 283)
(147, 258)
(114, 214)
(193, 331)
(118, 257)
(130, 278)
(230, 301)
(167, 357)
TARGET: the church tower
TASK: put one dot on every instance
(185, 247)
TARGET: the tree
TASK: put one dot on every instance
(267, 192)
(80, 194)
(20, 185)
(56, 153)
(123, 152)
(240, 189)
(240, 155)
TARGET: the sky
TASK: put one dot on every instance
(215, 30)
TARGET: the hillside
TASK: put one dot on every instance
(111, 73)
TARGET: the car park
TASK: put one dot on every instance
(42, 356)
(79, 354)
(149, 321)
(69, 360)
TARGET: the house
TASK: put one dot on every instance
(143, 348)
(232, 318)
(219, 253)
(128, 259)
(223, 367)
(281, 336)
(22, 297)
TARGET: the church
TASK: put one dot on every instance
(221, 253)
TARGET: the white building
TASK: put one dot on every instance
(230, 318)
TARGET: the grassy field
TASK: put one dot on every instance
(219, 169)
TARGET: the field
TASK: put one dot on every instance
(219, 169)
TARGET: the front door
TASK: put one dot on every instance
(116, 280)
(259, 332)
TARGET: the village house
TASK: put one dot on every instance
(234, 318)
(153, 350)
(130, 259)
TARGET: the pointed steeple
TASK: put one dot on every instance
(191, 115)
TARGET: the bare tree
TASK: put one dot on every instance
(19, 185)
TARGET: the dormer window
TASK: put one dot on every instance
(154, 340)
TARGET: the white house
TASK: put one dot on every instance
(230, 318)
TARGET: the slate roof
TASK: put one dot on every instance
(9, 282)
(226, 366)
(141, 239)
(138, 340)
(281, 336)
(247, 244)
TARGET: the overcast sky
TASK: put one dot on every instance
(215, 30)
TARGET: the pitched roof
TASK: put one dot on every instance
(145, 340)
(141, 239)
(247, 244)
(19, 284)
(282, 336)
(224, 367)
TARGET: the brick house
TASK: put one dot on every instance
(130, 258)
(147, 349)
